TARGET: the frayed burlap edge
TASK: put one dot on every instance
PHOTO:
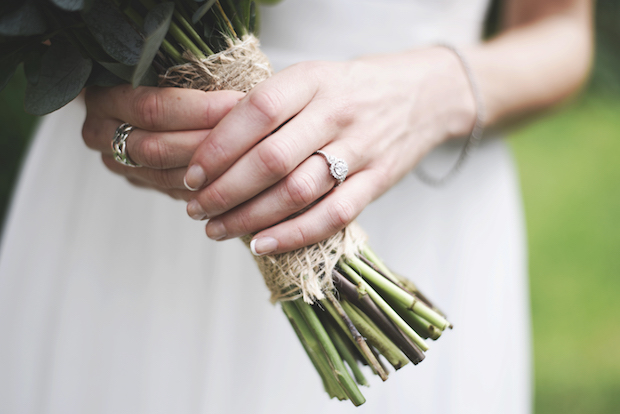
(306, 272)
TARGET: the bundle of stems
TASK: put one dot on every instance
(371, 314)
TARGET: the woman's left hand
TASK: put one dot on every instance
(380, 113)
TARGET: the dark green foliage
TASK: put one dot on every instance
(64, 72)
(156, 26)
(112, 30)
(123, 40)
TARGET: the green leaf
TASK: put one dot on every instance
(25, 21)
(156, 24)
(126, 73)
(8, 65)
(114, 33)
(64, 73)
(32, 65)
(202, 10)
(100, 76)
(70, 5)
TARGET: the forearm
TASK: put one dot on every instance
(541, 58)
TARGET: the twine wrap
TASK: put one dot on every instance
(239, 68)
(306, 272)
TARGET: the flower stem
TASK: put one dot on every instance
(190, 29)
(375, 337)
(345, 350)
(314, 350)
(398, 294)
(360, 298)
(335, 361)
(342, 319)
(384, 306)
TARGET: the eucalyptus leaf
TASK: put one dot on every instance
(64, 73)
(70, 5)
(32, 65)
(100, 76)
(126, 73)
(202, 10)
(89, 43)
(113, 32)
(25, 21)
(8, 65)
(156, 25)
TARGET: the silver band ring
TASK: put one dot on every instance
(338, 168)
(119, 145)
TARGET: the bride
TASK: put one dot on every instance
(113, 301)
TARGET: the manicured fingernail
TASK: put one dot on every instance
(216, 230)
(195, 210)
(263, 245)
(194, 178)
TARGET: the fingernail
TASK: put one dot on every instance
(194, 178)
(263, 245)
(195, 210)
(216, 230)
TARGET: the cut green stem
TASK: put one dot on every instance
(345, 349)
(314, 350)
(342, 375)
(340, 317)
(384, 306)
(397, 294)
(375, 336)
(360, 298)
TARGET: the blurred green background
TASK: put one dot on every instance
(569, 162)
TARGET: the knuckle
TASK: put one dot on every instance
(217, 200)
(216, 153)
(341, 213)
(268, 103)
(149, 110)
(89, 134)
(150, 151)
(301, 189)
(298, 236)
(244, 223)
(275, 158)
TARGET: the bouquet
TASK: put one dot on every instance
(347, 308)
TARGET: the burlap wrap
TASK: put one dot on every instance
(305, 272)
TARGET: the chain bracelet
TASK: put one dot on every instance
(476, 133)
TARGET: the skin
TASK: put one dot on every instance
(380, 113)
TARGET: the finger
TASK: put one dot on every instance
(184, 195)
(161, 179)
(329, 216)
(161, 109)
(159, 150)
(265, 108)
(268, 162)
(310, 181)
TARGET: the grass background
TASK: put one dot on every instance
(569, 164)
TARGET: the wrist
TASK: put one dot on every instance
(458, 107)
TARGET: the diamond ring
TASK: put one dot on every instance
(119, 145)
(338, 167)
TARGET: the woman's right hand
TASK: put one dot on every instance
(170, 123)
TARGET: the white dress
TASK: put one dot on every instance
(113, 301)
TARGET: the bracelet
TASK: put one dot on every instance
(476, 133)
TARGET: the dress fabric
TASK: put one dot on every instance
(113, 301)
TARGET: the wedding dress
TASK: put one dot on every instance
(113, 301)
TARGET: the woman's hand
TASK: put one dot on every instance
(170, 123)
(381, 114)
